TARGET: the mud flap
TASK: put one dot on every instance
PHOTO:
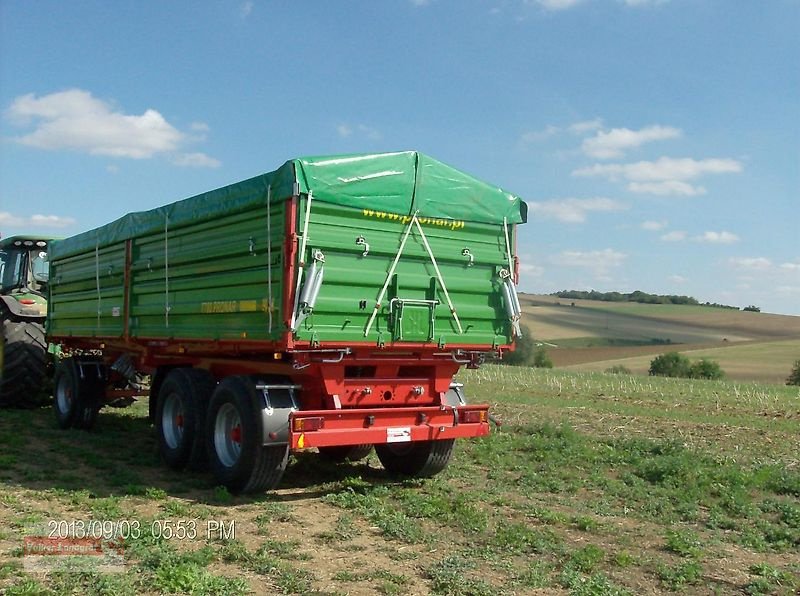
(278, 402)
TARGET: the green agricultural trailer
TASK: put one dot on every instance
(23, 309)
(327, 304)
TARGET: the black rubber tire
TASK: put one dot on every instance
(76, 400)
(185, 392)
(23, 362)
(345, 453)
(255, 468)
(420, 459)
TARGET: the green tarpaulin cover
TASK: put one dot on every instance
(404, 183)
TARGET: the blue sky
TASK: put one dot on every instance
(657, 142)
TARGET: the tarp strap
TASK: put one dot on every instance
(389, 275)
(269, 256)
(301, 259)
(166, 270)
(439, 276)
(97, 281)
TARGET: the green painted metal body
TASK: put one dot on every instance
(222, 268)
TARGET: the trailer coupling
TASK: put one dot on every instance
(329, 428)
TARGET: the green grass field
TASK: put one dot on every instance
(594, 484)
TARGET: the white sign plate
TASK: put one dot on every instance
(398, 434)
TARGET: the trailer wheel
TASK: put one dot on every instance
(234, 440)
(421, 459)
(345, 453)
(180, 417)
(23, 364)
(77, 399)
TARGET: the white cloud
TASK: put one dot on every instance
(585, 126)
(665, 168)
(540, 135)
(75, 120)
(636, 3)
(654, 226)
(531, 270)
(667, 188)
(678, 279)
(751, 263)
(665, 176)
(791, 266)
(196, 160)
(551, 130)
(599, 262)
(35, 221)
(346, 130)
(674, 236)
(555, 4)
(717, 238)
(614, 143)
(246, 9)
(572, 210)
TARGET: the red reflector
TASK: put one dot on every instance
(27, 301)
(301, 425)
(472, 416)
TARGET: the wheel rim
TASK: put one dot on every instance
(228, 435)
(63, 396)
(172, 420)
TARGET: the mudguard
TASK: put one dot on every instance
(278, 403)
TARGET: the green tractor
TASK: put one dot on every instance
(24, 275)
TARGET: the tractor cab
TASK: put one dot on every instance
(24, 274)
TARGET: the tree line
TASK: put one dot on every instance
(637, 296)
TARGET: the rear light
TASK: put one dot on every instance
(27, 301)
(301, 425)
(472, 416)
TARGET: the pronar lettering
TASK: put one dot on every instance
(219, 306)
(229, 306)
(453, 224)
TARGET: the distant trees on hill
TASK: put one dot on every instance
(794, 377)
(527, 352)
(637, 296)
(673, 364)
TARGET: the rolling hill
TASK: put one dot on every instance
(593, 336)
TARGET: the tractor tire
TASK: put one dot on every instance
(77, 399)
(345, 453)
(420, 459)
(23, 364)
(238, 459)
(180, 417)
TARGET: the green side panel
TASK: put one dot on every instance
(86, 294)
(209, 280)
(352, 282)
(205, 280)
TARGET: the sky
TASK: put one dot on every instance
(656, 142)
